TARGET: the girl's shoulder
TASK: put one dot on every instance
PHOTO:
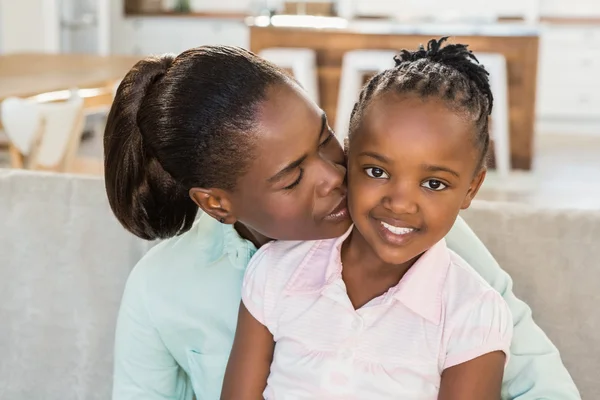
(279, 262)
(465, 289)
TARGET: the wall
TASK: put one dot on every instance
(28, 25)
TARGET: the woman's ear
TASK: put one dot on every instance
(474, 188)
(214, 202)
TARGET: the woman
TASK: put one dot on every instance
(219, 129)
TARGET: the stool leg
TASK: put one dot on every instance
(500, 122)
(350, 85)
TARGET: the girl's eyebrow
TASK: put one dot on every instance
(438, 168)
(376, 156)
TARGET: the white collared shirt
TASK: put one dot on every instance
(442, 313)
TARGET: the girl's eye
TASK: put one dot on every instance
(376, 173)
(434, 184)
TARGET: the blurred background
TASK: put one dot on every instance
(65, 258)
(544, 56)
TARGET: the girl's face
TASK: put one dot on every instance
(411, 168)
(295, 187)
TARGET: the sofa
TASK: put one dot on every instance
(65, 259)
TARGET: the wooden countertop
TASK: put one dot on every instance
(235, 16)
(28, 74)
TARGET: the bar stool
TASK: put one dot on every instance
(495, 64)
(355, 65)
(302, 63)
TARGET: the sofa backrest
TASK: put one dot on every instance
(553, 257)
(64, 260)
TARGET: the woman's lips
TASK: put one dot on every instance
(339, 213)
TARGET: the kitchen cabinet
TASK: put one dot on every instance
(569, 78)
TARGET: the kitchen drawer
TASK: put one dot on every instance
(560, 102)
(571, 70)
(577, 37)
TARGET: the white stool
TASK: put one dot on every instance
(355, 65)
(302, 62)
(495, 64)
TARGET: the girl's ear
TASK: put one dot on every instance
(474, 188)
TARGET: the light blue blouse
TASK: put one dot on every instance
(179, 312)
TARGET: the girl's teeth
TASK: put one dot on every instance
(396, 230)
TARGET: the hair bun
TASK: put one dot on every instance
(450, 54)
(455, 56)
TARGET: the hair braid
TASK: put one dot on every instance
(451, 72)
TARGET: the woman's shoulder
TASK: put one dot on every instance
(176, 263)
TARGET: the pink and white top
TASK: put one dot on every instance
(442, 313)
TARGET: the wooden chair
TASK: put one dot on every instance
(44, 136)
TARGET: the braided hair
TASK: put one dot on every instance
(451, 72)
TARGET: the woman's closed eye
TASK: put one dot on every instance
(434, 185)
(296, 182)
(327, 139)
(377, 173)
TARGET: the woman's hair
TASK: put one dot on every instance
(450, 72)
(178, 123)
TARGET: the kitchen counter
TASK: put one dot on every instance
(331, 37)
(389, 27)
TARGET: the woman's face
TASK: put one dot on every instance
(294, 188)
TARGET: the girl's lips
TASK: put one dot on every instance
(395, 235)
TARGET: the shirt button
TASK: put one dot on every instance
(357, 324)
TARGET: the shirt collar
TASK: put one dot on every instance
(420, 289)
(310, 276)
(224, 240)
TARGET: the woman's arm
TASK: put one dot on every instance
(478, 379)
(250, 360)
(144, 369)
(535, 369)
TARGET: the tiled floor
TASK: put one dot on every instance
(566, 172)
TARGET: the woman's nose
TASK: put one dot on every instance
(331, 176)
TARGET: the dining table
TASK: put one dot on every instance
(30, 74)
(50, 77)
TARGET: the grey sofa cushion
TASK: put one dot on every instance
(64, 262)
(553, 257)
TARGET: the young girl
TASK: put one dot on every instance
(385, 311)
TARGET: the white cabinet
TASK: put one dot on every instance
(573, 8)
(143, 36)
(568, 98)
(569, 72)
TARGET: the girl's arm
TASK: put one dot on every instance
(250, 360)
(478, 379)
